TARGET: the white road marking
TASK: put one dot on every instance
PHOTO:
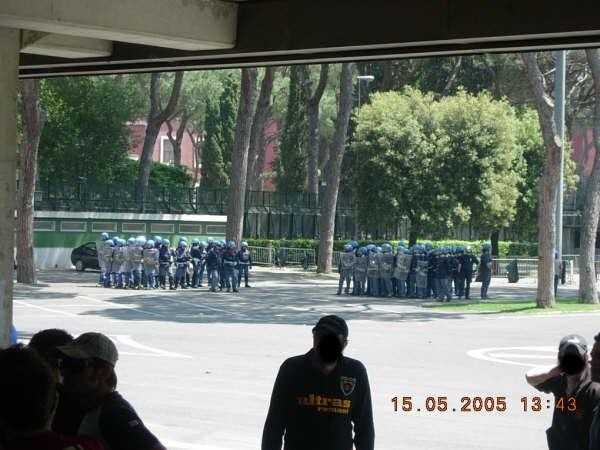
(127, 340)
(506, 353)
(516, 355)
(104, 302)
(41, 308)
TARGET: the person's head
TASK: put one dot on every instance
(27, 389)
(572, 354)
(45, 342)
(88, 365)
(595, 354)
(330, 337)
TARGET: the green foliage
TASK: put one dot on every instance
(165, 176)
(506, 248)
(214, 172)
(291, 166)
(162, 176)
(481, 156)
(439, 163)
(529, 139)
(228, 106)
(85, 133)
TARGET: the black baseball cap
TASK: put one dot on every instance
(333, 324)
(572, 343)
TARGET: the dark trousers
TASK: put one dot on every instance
(485, 284)
(464, 284)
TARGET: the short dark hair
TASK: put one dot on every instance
(46, 341)
(27, 389)
(597, 337)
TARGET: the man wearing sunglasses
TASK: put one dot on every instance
(29, 400)
(88, 367)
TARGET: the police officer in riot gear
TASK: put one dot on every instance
(485, 269)
(346, 268)
(466, 264)
(244, 263)
(386, 270)
(165, 260)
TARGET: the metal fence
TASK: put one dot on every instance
(307, 258)
(125, 197)
(283, 256)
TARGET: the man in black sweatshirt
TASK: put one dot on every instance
(320, 397)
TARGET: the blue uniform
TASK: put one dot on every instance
(198, 256)
(465, 274)
(485, 269)
(181, 258)
(212, 268)
(165, 259)
(230, 263)
(245, 263)
(444, 276)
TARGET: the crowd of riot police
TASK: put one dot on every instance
(420, 271)
(138, 263)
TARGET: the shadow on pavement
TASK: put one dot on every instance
(278, 297)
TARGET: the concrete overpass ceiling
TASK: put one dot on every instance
(276, 32)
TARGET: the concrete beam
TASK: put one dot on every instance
(62, 46)
(176, 24)
(273, 32)
(10, 41)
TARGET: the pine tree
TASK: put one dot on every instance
(214, 173)
(228, 104)
(293, 149)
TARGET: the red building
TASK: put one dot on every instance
(163, 150)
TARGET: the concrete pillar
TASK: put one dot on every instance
(9, 68)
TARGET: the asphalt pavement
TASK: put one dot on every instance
(199, 367)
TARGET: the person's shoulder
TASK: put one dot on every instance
(295, 362)
(354, 365)
(114, 404)
(594, 390)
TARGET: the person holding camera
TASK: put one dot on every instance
(575, 395)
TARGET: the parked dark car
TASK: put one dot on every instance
(85, 257)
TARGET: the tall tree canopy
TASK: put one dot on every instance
(85, 133)
(293, 152)
(437, 163)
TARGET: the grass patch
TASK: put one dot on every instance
(517, 306)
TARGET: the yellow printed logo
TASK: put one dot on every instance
(325, 404)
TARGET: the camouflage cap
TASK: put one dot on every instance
(91, 345)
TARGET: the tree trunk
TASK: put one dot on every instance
(156, 117)
(262, 154)
(312, 111)
(413, 234)
(494, 238)
(588, 291)
(386, 82)
(178, 138)
(239, 157)
(548, 183)
(33, 123)
(257, 134)
(329, 204)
